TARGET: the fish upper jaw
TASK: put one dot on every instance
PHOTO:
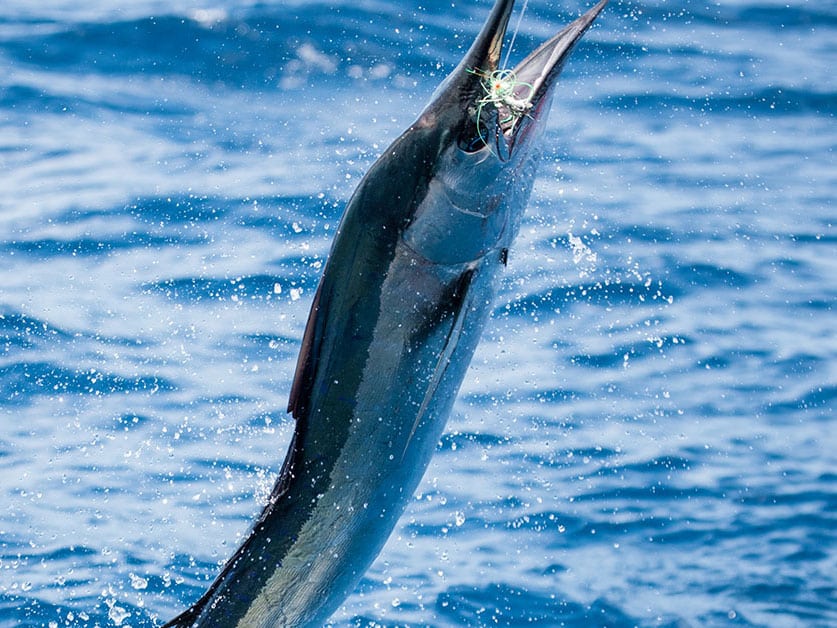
(496, 107)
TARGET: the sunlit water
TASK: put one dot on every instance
(646, 436)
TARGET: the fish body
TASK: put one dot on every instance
(404, 295)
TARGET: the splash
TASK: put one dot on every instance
(583, 256)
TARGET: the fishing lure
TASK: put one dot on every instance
(504, 92)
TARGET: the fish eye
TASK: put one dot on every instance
(472, 145)
(476, 133)
(474, 142)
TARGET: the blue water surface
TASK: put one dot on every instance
(646, 436)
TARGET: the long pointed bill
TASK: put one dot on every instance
(484, 53)
(540, 69)
(516, 94)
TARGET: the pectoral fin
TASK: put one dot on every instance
(461, 307)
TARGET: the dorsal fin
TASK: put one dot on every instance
(308, 354)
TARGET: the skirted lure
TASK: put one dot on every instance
(510, 97)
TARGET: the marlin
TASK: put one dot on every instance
(402, 301)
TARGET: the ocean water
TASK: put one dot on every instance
(646, 436)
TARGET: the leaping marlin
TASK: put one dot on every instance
(396, 318)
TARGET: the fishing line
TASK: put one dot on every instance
(514, 35)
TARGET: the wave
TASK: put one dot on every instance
(202, 289)
(500, 604)
(21, 332)
(772, 101)
(25, 381)
(262, 50)
(609, 293)
(814, 403)
(50, 248)
(30, 612)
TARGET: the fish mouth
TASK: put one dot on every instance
(504, 100)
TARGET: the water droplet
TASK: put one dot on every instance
(116, 614)
(138, 582)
